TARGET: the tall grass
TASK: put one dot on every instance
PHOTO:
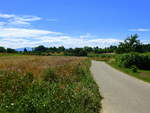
(34, 64)
(65, 86)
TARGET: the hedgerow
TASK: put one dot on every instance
(141, 61)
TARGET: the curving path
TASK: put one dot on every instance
(122, 93)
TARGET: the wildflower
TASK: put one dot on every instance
(12, 104)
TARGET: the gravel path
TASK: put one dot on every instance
(122, 93)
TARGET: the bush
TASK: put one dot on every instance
(141, 61)
(101, 57)
(134, 68)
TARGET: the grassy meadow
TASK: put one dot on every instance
(47, 84)
(36, 64)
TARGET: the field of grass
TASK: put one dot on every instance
(35, 64)
(10, 54)
(47, 84)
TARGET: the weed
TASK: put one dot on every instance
(67, 87)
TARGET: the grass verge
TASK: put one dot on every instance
(140, 74)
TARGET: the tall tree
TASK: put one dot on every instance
(131, 44)
(40, 48)
(9, 50)
(2, 50)
(25, 50)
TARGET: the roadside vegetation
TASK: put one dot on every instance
(55, 80)
(43, 84)
(131, 57)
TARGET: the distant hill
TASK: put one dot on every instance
(22, 49)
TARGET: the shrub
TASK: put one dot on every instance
(134, 68)
(139, 60)
(101, 57)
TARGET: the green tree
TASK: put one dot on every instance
(79, 52)
(131, 44)
(2, 50)
(61, 49)
(40, 48)
(25, 50)
(88, 49)
(9, 50)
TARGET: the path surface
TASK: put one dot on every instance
(122, 93)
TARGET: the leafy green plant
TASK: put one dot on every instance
(134, 69)
(139, 60)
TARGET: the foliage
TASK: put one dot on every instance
(59, 91)
(129, 45)
(2, 49)
(25, 50)
(140, 60)
(140, 74)
(40, 48)
(134, 68)
(9, 50)
(101, 57)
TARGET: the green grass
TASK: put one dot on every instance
(140, 74)
(101, 56)
(10, 54)
(73, 91)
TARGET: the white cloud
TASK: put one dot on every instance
(7, 16)
(17, 37)
(19, 20)
(140, 30)
(87, 35)
(22, 32)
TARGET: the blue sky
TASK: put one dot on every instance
(72, 23)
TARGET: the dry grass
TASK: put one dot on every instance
(38, 64)
(67, 88)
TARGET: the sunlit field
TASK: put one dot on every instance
(47, 84)
(37, 64)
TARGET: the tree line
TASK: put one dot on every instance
(74, 51)
(130, 44)
(8, 50)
